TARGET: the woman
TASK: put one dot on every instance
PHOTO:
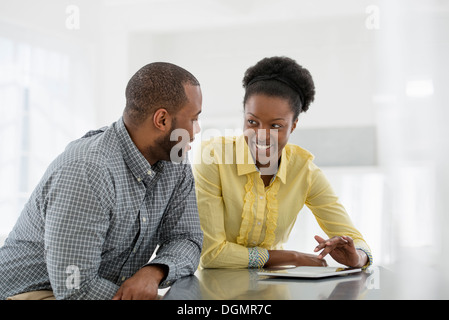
(251, 188)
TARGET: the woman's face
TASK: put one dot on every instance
(267, 126)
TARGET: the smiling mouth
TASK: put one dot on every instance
(263, 146)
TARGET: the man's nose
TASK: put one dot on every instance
(196, 128)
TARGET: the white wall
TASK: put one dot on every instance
(336, 51)
(361, 74)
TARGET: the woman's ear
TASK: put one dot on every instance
(162, 119)
(294, 125)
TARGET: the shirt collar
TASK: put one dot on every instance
(246, 164)
(135, 161)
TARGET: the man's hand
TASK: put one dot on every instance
(143, 284)
(342, 249)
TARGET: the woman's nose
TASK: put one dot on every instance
(263, 134)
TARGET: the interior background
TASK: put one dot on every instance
(377, 126)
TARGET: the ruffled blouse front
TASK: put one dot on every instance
(242, 219)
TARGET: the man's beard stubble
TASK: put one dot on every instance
(165, 145)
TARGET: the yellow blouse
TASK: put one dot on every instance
(240, 217)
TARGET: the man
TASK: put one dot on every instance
(110, 199)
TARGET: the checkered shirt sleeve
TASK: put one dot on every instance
(97, 216)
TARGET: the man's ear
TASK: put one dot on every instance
(162, 119)
(294, 125)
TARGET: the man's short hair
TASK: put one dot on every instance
(157, 85)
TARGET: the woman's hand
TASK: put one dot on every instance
(279, 258)
(305, 259)
(342, 250)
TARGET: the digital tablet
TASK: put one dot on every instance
(308, 272)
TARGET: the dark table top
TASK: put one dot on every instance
(245, 284)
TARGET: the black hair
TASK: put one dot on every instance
(281, 77)
(157, 85)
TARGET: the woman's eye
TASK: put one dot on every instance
(251, 122)
(276, 126)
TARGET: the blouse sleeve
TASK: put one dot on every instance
(329, 212)
(218, 252)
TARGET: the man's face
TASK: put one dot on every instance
(184, 126)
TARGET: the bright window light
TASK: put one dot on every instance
(419, 88)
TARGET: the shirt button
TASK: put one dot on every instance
(123, 278)
(150, 173)
(144, 219)
(139, 179)
(261, 198)
(258, 223)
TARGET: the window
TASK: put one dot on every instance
(45, 102)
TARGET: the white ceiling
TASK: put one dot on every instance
(175, 15)
(106, 16)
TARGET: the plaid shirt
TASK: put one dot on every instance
(96, 218)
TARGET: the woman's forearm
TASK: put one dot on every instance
(280, 258)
